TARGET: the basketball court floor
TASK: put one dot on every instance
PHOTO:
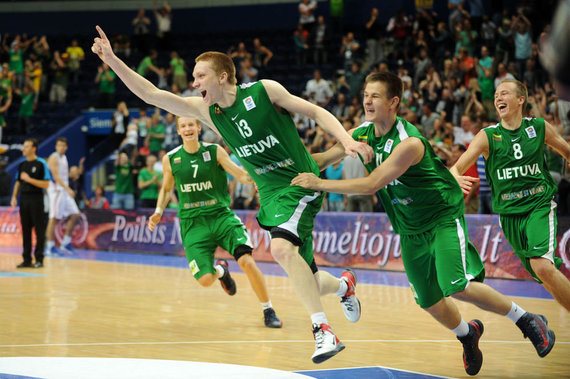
(117, 315)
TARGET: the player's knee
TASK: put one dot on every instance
(206, 280)
(461, 295)
(246, 262)
(282, 249)
(543, 268)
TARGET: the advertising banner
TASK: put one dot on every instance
(361, 240)
(98, 122)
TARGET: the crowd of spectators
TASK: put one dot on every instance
(450, 68)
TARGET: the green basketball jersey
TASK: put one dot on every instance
(264, 139)
(516, 168)
(201, 183)
(425, 193)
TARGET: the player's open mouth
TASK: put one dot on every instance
(203, 93)
(502, 107)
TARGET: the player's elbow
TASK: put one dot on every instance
(369, 187)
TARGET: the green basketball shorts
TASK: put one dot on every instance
(533, 235)
(441, 261)
(202, 235)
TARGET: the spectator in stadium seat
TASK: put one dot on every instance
(238, 55)
(119, 123)
(42, 53)
(428, 117)
(353, 80)
(34, 73)
(171, 139)
(320, 39)
(141, 26)
(300, 39)
(76, 55)
(247, 73)
(178, 71)
(106, 80)
(318, 90)
(502, 74)
(349, 50)
(352, 168)
(374, 43)
(155, 134)
(163, 18)
(261, 54)
(99, 201)
(149, 182)
(340, 107)
(190, 91)
(335, 201)
(60, 72)
(148, 64)
(124, 196)
(26, 111)
(307, 10)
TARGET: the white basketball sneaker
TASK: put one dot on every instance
(327, 345)
(350, 303)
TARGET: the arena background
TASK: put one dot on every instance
(363, 241)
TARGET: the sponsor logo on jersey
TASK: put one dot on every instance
(217, 110)
(274, 166)
(388, 146)
(249, 103)
(177, 160)
(518, 171)
(531, 132)
(406, 201)
(206, 156)
(497, 137)
(194, 187)
(194, 267)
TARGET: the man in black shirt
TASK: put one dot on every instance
(32, 178)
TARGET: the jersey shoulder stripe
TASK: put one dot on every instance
(492, 126)
(246, 85)
(174, 150)
(363, 125)
(401, 131)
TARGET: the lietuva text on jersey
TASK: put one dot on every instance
(519, 171)
(193, 187)
(256, 148)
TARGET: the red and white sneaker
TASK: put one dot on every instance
(226, 280)
(350, 303)
(327, 345)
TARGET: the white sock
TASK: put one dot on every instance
(66, 240)
(342, 288)
(462, 329)
(50, 244)
(267, 305)
(319, 318)
(220, 270)
(515, 313)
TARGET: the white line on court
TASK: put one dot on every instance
(254, 342)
